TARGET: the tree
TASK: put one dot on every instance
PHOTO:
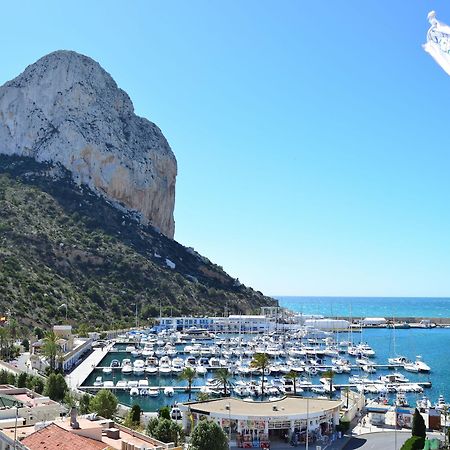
(70, 399)
(104, 403)
(293, 375)
(4, 335)
(164, 412)
(85, 404)
(418, 425)
(165, 430)
(22, 380)
(26, 345)
(51, 348)
(13, 327)
(208, 435)
(329, 375)
(3, 376)
(12, 379)
(188, 374)
(223, 377)
(347, 392)
(260, 361)
(38, 385)
(135, 414)
(38, 333)
(83, 330)
(56, 387)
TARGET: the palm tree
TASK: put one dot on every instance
(51, 348)
(188, 374)
(329, 374)
(347, 391)
(293, 375)
(4, 333)
(260, 361)
(223, 377)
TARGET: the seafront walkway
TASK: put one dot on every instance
(75, 378)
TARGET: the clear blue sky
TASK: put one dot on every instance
(312, 137)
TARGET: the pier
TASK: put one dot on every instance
(425, 384)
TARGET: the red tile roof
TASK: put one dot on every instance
(54, 437)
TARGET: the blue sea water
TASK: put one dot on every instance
(369, 306)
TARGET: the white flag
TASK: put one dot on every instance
(438, 42)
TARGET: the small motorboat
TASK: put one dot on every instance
(134, 392)
(169, 391)
(153, 392)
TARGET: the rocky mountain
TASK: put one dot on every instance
(66, 109)
(87, 192)
(61, 243)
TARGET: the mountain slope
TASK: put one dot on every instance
(62, 243)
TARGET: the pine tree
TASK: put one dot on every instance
(418, 425)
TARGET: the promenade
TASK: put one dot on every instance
(75, 378)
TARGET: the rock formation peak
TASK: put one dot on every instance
(65, 108)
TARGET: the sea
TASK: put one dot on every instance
(432, 344)
(420, 307)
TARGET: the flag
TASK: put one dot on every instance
(438, 42)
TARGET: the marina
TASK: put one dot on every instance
(145, 368)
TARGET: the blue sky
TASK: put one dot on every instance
(311, 136)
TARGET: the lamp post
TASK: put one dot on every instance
(64, 305)
(228, 407)
(15, 426)
(395, 426)
(307, 423)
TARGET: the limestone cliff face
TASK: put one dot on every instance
(66, 109)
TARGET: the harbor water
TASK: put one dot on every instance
(431, 344)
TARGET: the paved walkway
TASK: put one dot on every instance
(338, 444)
(82, 371)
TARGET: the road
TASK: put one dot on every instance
(381, 440)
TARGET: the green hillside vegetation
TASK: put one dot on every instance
(61, 243)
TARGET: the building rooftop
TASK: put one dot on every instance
(59, 435)
(53, 437)
(280, 408)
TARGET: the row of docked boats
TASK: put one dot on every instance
(136, 387)
(288, 346)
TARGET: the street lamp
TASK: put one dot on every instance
(307, 423)
(228, 407)
(64, 305)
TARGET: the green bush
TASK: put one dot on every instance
(208, 435)
(414, 443)
(165, 430)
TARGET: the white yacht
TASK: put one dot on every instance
(421, 366)
(177, 365)
(165, 366)
(127, 368)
